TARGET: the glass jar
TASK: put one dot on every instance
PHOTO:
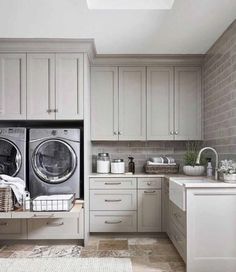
(103, 163)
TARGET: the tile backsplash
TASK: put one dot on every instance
(141, 151)
(219, 78)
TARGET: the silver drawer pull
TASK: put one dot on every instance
(42, 216)
(112, 200)
(149, 183)
(50, 224)
(112, 183)
(149, 192)
(113, 222)
(3, 224)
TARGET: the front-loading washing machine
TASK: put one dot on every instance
(54, 161)
(13, 152)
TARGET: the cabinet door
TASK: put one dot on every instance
(41, 86)
(69, 86)
(149, 210)
(160, 103)
(104, 103)
(188, 106)
(132, 103)
(12, 86)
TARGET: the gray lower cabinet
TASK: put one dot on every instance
(13, 229)
(125, 204)
(149, 210)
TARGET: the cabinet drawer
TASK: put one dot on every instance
(178, 217)
(149, 183)
(113, 183)
(179, 240)
(109, 221)
(10, 226)
(116, 200)
(58, 228)
(13, 229)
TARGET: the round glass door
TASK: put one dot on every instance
(54, 161)
(10, 158)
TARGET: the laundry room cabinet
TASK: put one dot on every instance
(118, 103)
(54, 86)
(174, 103)
(12, 86)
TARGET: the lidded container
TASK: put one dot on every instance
(103, 163)
(118, 166)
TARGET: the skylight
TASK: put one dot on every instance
(130, 4)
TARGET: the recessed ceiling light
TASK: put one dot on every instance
(130, 4)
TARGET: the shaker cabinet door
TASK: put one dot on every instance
(188, 106)
(69, 86)
(132, 103)
(41, 86)
(104, 103)
(149, 210)
(12, 86)
(160, 103)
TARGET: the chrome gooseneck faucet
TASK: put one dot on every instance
(217, 158)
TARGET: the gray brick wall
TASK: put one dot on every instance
(219, 79)
(141, 151)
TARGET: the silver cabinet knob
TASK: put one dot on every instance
(114, 133)
(176, 132)
(49, 110)
(119, 133)
(171, 132)
(56, 110)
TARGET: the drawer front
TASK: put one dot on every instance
(113, 221)
(113, 183)
(10, 226)
(178, 217)
(179, 240)
(116, 200)
(58, 228)
(149, 183)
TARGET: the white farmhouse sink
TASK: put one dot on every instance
(177, 189)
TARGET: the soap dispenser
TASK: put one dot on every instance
(131, 165)
(209, 167)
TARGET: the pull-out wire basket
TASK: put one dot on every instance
(47, 203)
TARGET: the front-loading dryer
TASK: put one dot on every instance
(13, 152)
(54, 161)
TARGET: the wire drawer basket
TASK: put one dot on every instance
(6, 199)
(50, 203)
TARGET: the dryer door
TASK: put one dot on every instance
(54, 161)
(10, 158)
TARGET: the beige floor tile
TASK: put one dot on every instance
(113, 245)
(143, 264)
(177, 266)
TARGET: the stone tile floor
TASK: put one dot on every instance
(148, 253)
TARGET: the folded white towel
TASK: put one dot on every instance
(17, 185)
(156, 163)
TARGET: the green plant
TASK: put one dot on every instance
(191, 154)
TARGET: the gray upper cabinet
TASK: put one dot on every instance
(132, 103)
(188, 106)
(104, 103)
(118, 107)
(69, 86)
(160, 103)
(55, 86)
(12, 86)
(41, 86)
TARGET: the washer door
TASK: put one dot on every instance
(10, 158)
(54, 161)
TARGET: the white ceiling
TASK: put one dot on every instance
(190, 27)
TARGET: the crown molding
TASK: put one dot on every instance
(150, 60)
(31, 45)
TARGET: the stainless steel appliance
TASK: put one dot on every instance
(13, 152)
(54, 161)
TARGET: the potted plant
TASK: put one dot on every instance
(228, 169)
(190, 168)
